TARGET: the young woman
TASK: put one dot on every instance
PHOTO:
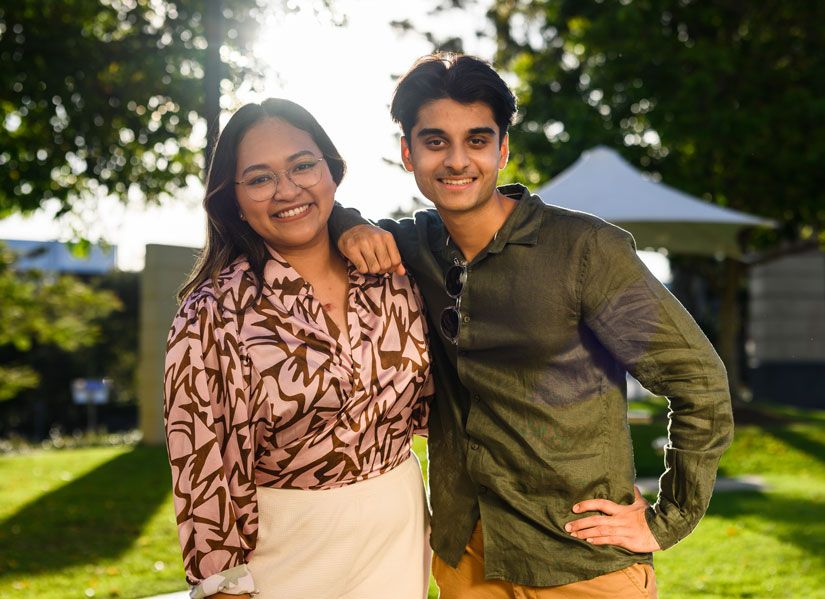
(293, 385)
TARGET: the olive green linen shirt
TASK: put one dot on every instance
(530, 414)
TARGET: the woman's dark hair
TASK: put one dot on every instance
(465, 79)
(227, 236)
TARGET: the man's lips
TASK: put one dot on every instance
(456, 181)
(292, 212)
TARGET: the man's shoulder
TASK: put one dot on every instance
(558, 220)
(559, 216)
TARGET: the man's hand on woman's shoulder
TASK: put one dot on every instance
(371, 249)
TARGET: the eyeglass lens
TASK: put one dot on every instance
(263, 186)
(454, 280)
(449, 323)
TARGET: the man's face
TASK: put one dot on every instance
(455, 153)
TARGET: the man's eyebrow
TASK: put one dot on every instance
(266, 167)
(430, 131)
(473, 131)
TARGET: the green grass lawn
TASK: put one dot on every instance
(99, 523)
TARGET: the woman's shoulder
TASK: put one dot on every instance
(219, 294)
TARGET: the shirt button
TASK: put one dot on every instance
(466, 319)
(473, 445)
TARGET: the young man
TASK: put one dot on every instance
(536, 314)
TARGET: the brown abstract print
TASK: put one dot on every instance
(275, 395)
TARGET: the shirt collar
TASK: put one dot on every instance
(521, 227)
(283, 285)
(523, 224)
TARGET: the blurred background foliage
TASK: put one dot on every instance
(721, 99)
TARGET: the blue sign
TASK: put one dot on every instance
(91, 391)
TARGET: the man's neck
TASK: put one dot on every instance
(473, 230)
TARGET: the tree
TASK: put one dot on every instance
(103, 97)
(720, 99)
(37, 310)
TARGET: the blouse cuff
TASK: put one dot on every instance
(234, 581)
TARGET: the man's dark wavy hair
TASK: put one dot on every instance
(465, 79)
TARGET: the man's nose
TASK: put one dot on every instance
(457, 159)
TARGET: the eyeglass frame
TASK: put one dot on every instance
(455, 308)
(284, 172)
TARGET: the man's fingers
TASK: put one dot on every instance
(371, 250)
(618, 541)
(597, 532)
(384, 260)
(373, 263)
(584, 523)
(604, 506)
(354, 255)
(395, 259)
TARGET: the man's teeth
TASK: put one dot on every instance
(458, 181)
(292, 211)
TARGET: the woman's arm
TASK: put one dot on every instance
(210, 447)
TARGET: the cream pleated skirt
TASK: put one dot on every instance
(367, 540)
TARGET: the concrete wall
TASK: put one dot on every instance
(165, 270)
(786, 329)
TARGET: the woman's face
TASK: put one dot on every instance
(293, 218)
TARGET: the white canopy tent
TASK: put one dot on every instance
(602, 183)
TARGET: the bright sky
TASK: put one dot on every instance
(343, 75)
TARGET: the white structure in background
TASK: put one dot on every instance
(55, 256)
(602, 183)
(786, 329)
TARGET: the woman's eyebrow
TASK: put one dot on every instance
(266, 167)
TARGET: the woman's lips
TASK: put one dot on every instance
(292, 212)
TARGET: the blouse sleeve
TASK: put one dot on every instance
(210, 444)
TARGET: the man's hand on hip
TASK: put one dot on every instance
(621, 525)
(371, 249)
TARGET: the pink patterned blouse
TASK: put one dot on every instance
(272, 396)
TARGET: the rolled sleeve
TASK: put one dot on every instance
(638, 320)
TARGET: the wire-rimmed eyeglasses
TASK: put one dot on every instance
(454, 280)
(263, 185)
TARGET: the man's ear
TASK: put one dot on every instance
(504, 151)
(406, 155)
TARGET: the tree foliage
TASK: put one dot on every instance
(102, 97)
(38, 310)
(722, 99)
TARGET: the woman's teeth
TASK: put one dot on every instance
(292, 211)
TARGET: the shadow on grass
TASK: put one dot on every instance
(95, 517)
(796, 521)
(813, 448)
